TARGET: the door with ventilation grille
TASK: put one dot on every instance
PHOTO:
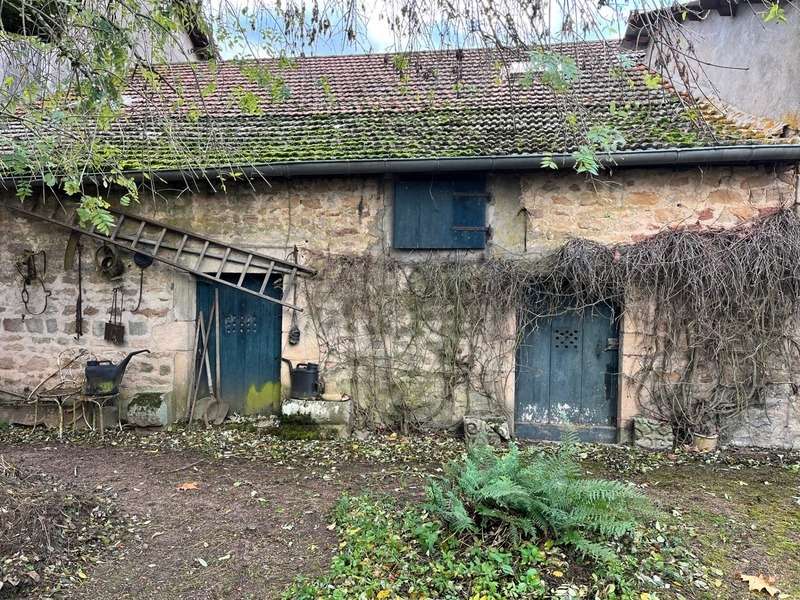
(250, 345)
(566, 377)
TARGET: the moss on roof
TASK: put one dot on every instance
(437, 105)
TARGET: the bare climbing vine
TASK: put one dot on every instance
(709, 320)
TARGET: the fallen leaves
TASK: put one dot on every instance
(55, 533)
(188, 485)
(761, 583)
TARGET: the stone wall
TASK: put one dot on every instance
(337, 215)
(530, 214)
(635, 203)
(774, 425)
(30, 345)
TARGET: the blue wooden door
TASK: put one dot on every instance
(566, 376)
(250, 346)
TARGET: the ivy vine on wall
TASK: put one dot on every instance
(713, 310)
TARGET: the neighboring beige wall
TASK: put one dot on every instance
(26, 60)
(345, 215)
(745, 62)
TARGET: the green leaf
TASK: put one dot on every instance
(72, 186)
(553, 70)
(586, 160)
(652, 81)
(605, 138)
(548, 162)
(775, 13)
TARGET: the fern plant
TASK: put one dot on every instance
(535, 496)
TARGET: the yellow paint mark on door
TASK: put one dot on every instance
(263, 401)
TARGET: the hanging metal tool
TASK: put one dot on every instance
(142, 261)
(71, 250)
(79, 301)
(33, 269)
(108, 261)
(115, 330)
(75, 247)
(203, 257)
(294, 330)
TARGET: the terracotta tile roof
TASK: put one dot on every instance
(424, 105)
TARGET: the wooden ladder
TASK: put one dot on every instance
(190, 252)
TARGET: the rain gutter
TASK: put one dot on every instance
(721, 155)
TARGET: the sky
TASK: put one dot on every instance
(249, 20)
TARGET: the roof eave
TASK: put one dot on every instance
(719, 155)
(722, 155)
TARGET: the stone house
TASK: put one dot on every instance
(738, 54)
(399, 160)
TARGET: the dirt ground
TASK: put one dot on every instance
(251, 526)
(743, 520)
(256, 526)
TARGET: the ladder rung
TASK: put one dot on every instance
(266, 278)
(160, 247)
(138, 234)
(118, 226)
(180, 247)
(244, 271)
(159, 240)
(224, 260)
(202, 256)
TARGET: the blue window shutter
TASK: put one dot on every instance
(407, 212)
(469, 221)
(440, 214)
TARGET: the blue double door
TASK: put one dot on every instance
(567, 376)
(250, 345)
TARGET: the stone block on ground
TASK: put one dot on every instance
(652, 434)
(47, 415)
(321, 411)
(322, 418)
(150, 409)
(776, 424)
(492, 427)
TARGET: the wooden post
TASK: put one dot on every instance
(193, 372)
(217, 346)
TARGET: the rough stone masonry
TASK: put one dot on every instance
(352, 215)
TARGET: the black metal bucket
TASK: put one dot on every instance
(305, 382)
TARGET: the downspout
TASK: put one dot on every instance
(797, 188)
